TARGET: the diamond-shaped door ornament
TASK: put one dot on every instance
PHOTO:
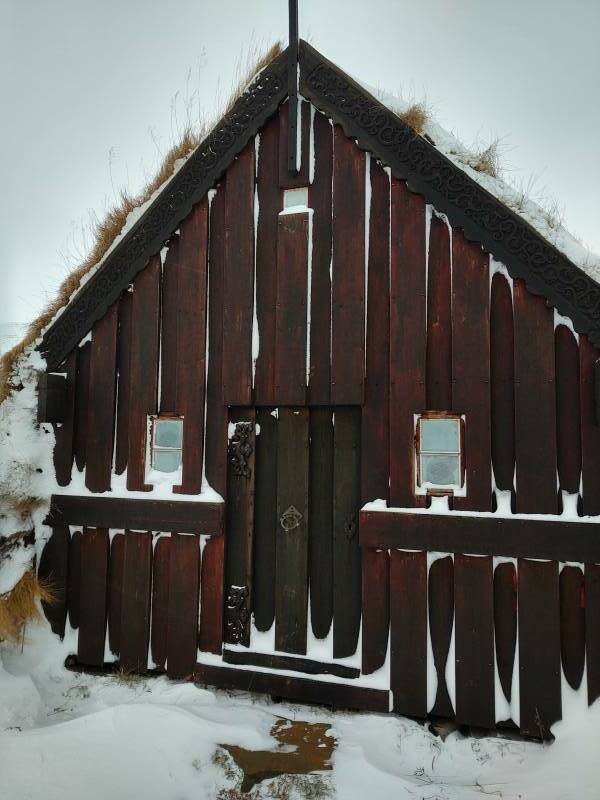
(290, 519)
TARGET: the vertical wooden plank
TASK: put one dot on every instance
(74, 579)
(291, 316)
(160, 601)
(94, 584)
(408, 626)
(191, 350)
(211, 595)
(375, 607)
(441, 619)
(169, 324)
(407, 336)
(320, 200)
(471, 367)
(572, 624)
(182, 636)
(287, 179)
(266, 522)
(52, 571)
(590, 428)
(216, 411)
(240, 526)
(63, 433)
(320, 525)
(439, 318)
(115, 588)
(535, 403)
(81, 404)
(592, 630)
(505, 623)
(568, 417)
(291, 586)
(347, 580)
(270, 203)
(474, 641)
(143, 368)
(539, 647)
(239, 280)
(348, 269)
(135, 602)
(101, 402)
(502, 377)
(124, 373)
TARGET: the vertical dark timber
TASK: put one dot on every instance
(92, 613)
(320, 528)
(292, 75)
(441, 618)
(265, 519)
(572, 624)
(63, 449)
(53, 570)
(81, 404)
(590, 427)
(592, 632)
(124, 376)
(568, 417)
(502, 377)
(347, 581)
(182, 635)
(291, 592)
(135, 601)
(505, 623)
(160, 600)
(439, 318)
(211, 595)
(115, 591)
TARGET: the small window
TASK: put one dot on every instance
(167, 443)
(439, 451)
(295, 197)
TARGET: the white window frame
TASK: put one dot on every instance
(422, 488)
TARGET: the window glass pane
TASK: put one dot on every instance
(166, 460)
(168, 432)
(440, 470)
(440, 435)
(295, 197)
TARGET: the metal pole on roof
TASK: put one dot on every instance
(292, 70)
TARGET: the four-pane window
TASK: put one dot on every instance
(439, 451)
(167, 444)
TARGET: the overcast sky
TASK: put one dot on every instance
(93, 90)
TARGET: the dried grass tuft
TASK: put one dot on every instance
(416, 117)
(19, 605)
(104, 231)
(487, 159)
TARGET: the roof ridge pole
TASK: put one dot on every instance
(292, 75)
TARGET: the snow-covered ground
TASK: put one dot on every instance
(66, 735)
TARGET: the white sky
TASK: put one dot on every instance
(89, 88)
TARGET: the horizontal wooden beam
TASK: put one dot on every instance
(338, 695)
(306, 665)
(175, 516)
(479, 535)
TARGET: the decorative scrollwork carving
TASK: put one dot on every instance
(237, 615)
(290, 519)
(241, 447)
(467, 204)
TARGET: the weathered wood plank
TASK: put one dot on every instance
(101, 402)
(191, 350)
(81, 404)
(502, 379)
(572, 624)
(169, 336)
(590, 428)
(124, 376)
(63, 433)
(135, 602)
(279, 662)
(115, 591)
(474, 640)
(535, 403)
(568, 418)
(347, 578)
(320, 200)
(320, 525)
(505, 623)
(211, 595)
(239, 280)
(592, 630)
(439, 318)
(441, 620)
(160, 601)
(291, 585)
(53, 570)
(240, 527)
(216, 411)
(270, 203)
(182, 635)
(93, 591)
(291, 309)
(348, 272)
(143, 368)
(287, 179)
(471, 367)
(407, 335)
(539, 647)
(266, 522)
(74, 579)
(154, 515)
(375, 608)
(408, 631)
